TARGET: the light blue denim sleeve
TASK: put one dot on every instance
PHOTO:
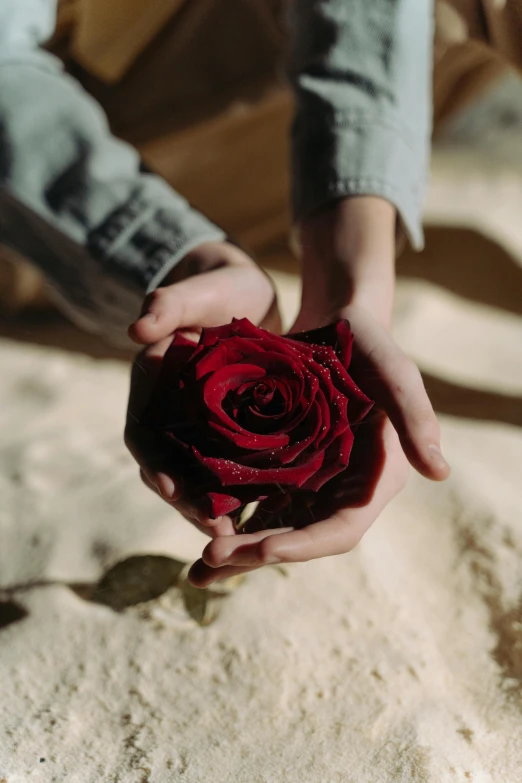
(74, 199)
(362, 72)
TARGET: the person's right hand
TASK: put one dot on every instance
(214, 283)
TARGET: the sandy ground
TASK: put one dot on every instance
(401, 661)
(398, 663)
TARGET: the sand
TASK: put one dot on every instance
(401, 661)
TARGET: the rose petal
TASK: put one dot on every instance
(336, 459)
(251, 441)
(208, 361)
(221, 504)
(178, 354)
(228, 379)
(360, 404)
(217, 386)
(288, 453)
(230, 473)
(338, 336)
(335, 405)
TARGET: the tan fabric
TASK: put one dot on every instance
(475, 41)
(234, 168)
(461, 73)
(110, 34)
(210, 54)
(497, 22)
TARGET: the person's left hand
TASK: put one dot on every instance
(348, 272)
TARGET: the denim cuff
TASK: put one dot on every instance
(142, 241)
(351, 153)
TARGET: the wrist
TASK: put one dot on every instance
(330, 294)
(348, 258)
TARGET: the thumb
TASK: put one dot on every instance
(208, 299)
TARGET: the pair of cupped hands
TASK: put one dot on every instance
(347, 255)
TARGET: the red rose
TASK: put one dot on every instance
(247, 414)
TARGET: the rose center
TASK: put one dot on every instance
(262, 395)
(264, 399)
(257, 406)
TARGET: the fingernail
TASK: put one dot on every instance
(272, 560)
(166, 486)
(203, 519)
(436, 458)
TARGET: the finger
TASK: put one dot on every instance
(204, 300)
(144, 375)
(238, 550)
(148, 448)
(223, 526)
(190, 508)
(340, 534)
(171, 493)
(336, 536)
(202, 575)
(387, 375)
(194, 511)
(161, 484)
(144, 445)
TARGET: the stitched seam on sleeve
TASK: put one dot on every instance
(369, 182)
